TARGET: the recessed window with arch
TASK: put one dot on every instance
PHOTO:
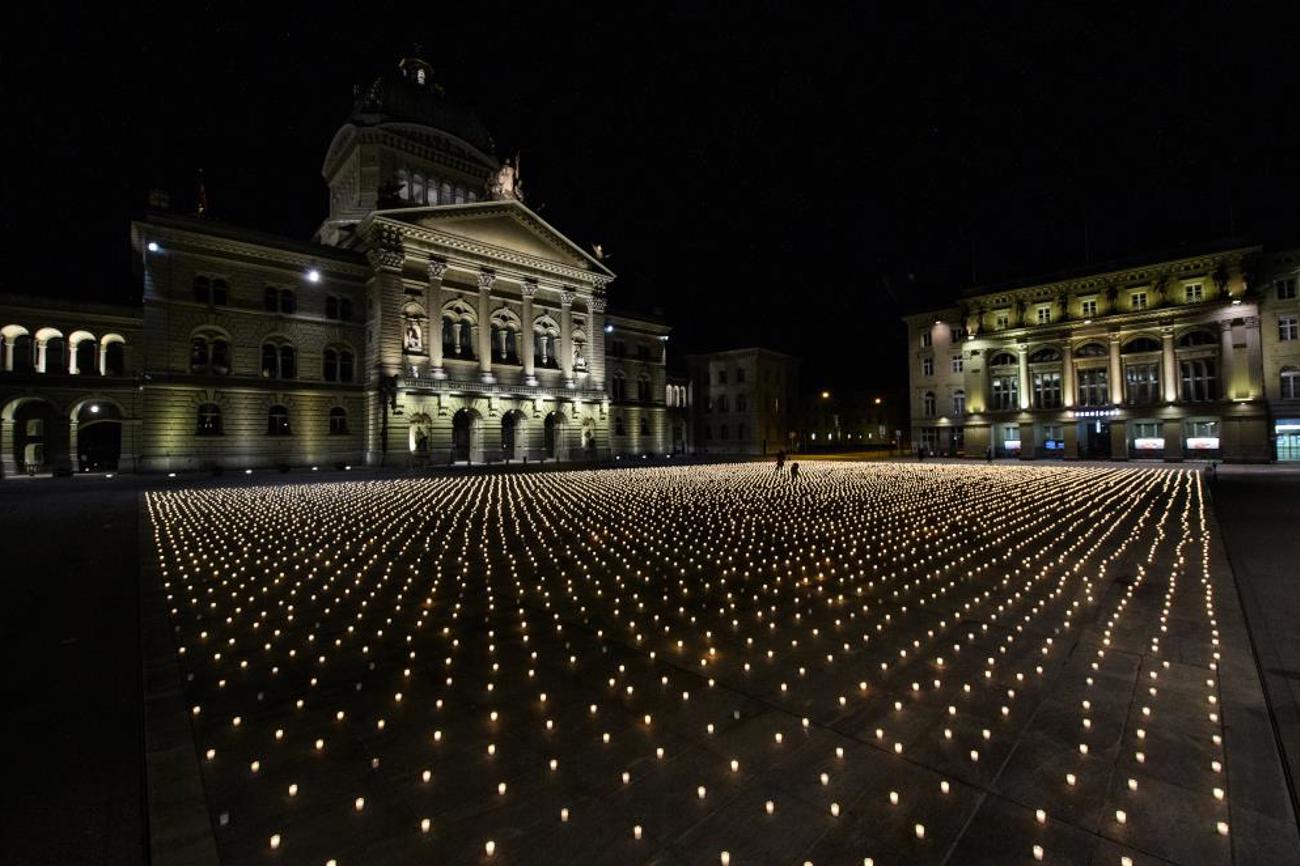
(1141, 371)
(52, 352)
(643, 388)
(338, 363)
(209, 420)
(929, 405)
(1045, 377)
(546, 342)
(279, 359)
(505, 336)
(458, 322)
(210, 352)
(618, 386)
(1004, 382)
(19, 349)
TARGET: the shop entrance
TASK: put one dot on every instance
(1094, 440)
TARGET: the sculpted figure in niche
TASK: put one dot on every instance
(579, 359)
(413, 340)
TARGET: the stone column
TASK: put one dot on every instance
(596, 339)
(1022, 352)
(1116, 373)
(1227, 359)
(528, 288)
(1067, 374)
(1254, 359)
(484, 348)
(40, 357)
(103, 359)
(565, 353)
(9, 355)
(1169, 365)
(433, 303)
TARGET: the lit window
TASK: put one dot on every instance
(1194, 292)
(928, 404)
(957, 364)
(1089, 308)
(926, 337)
(1002, 321)
(927, 366)
(1286, 288)
(1138, 301)
(1044, 315)
(1287, 327)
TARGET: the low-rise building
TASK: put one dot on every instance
(743, 401)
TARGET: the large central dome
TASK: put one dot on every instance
(410, 96)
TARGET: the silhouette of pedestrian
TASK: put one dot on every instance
(780, 461)
(988, 454)
(794, 471)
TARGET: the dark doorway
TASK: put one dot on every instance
(1094, 436)
(508, 426)
(461, 425)
(548, 437)
(99, 437)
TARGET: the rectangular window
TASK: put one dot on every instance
(1138, 301)
(331, 307)
(1089, 308)
(740, 375)
(1047, 389)
(1011, 437)
(345, 309)
(1002, 321)
(1288, 328)
(1202, 435)
(958, 333)
(1006, 393)
(1194, 292)
(1053, 440)
(1044, 315)
(927, 366)
(926, 339)
(1199, 380)
(1285, 288)
(957, 365)
(1093, 387)
(722, 377)
(1146, 436)
(1142, 382)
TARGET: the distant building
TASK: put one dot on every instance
(434, 318)
(842, 421)
(743, 401)
(1173, 357)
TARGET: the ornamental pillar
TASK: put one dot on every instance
(1067, 375)
(565, 353)
(1227, 359)
(433, 303)
(1254, 358)
(40, 357)
(596, 339)
(529, 290)
(1022, 352)
(484, 348)
(1116, 373)
(1169, 365)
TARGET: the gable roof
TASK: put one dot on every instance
(507, 225)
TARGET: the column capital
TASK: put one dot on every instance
(567, 294)
(387, 250)
(486, 279)
(437, 268)
(528, 288)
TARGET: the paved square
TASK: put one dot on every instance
(874, 664)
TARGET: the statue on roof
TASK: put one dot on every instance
(506, 183)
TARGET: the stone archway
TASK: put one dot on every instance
(466, 437)
(513, 439)
(96, 436)
(33, 438)
(554, 430)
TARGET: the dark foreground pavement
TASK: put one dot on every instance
(70, 697)
(1259, 513)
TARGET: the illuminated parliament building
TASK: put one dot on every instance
(434, 318)
(1194, 356)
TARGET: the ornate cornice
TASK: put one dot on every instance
(387, 250)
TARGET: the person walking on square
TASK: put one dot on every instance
(794, 471)
(780, 461)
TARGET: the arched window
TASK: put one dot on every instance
(220, 356)
(546, 342)
(1090, 350)
(1141, 344)
(24, 355)
(331, 365)
(277, 421)
(338, 421)
(345, 365)
(1290, 383)
(643, 389)
(959, 403)
(209, 420)
(279, 360)
(56, 355)
(1004, 359)
(86, 360)
(1044, 356)
(928, 404)
(202, 290)
(114, 356)
(618, 387)
(200, 354)
(1197, 338)
(288, 362)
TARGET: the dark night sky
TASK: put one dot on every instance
(769, 178)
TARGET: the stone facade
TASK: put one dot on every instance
(434, 319)
(744, 401)
(1168, 358)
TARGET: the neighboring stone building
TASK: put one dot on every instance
(435, 318)
(743, 401)
(1173, 358)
